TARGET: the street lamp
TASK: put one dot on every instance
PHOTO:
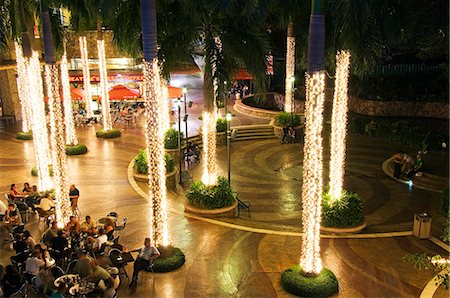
(178, 102)
(185, 111)
(226, 97)
(228, 118)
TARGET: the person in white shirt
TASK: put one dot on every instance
(3, 209)
(34, 264)
(46, 204)
(96, 243)
(147, 254)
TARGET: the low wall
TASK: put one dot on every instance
(254, 112)
(367, 107)
(171, 182)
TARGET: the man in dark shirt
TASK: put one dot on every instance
(60, 242)
(74, 194)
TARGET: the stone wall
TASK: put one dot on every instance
(399, 108)
(73, 48)
(9, 94)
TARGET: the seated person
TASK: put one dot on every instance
(147, 254)
(14, 193)
(11, 281)
(95, 244)
(3, 209)
(74, 194)
(44, 281)
(48, 260)
(73, 226)
(59, 243)
(89, 225)
(82, 266)
(46, 204)
(33, 265)
(26, 188)
(29, 240)
(13, 215)
(19, 244)
(109, 229)
(98, 273)
(51, 233)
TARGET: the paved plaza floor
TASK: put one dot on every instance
(243, 257)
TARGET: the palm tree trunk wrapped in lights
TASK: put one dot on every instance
(86, 75)
(22, 84)
(165, 114)
(290, 69)
(62, 206)
(71, 137)
(339, 125)
(154, 129)
(107, 123)
(40, 132)
(310, 260)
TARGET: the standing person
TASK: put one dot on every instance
(285, 134)
(398, 163)
(147, 254)
(74, 194)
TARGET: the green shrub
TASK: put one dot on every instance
(221, 125)
(323, 285)
(141, 162)
(170, 263)
(445, 203)
(108, 134)
(170, 162)
(211, 197)
(171, 138)
(34, 171)
(344, 213)
(76, 149)
(24, 135)
(288, 119)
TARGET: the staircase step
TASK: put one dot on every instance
(255, 134)
(254, 137)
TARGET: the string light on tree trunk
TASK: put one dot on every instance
(86, 75)
(339, 125)
(290, 73)
(165, 114)
(310, 260)
(62, 205)
(209, 176)
(107, 123)
(39, 127)
(22, 86)
(71, 138)
(155, 149)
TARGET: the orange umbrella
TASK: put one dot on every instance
(75, 94)
(123, 92)
(174, 92)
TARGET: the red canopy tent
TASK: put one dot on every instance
(75, 94)
(174, 92)
(123, 92)
(242, 75)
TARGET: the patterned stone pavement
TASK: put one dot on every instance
(227, 262)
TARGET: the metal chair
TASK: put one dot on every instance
(122, 227)
(115, 256)
(22, 290)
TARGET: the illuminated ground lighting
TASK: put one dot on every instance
(339, 125)
(71, 137)
(86, 75)
(62, 202)
(107, 123)
(40, 132)
(209, 174)
(310, 260)
(155, 149)
(22, 86)
(290, 73)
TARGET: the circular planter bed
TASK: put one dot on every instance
(351, 230)
(171, 181)
(108, 134)
(76, 149)
(24, 135)
(171, 259)
(323, 285)
(225, 211)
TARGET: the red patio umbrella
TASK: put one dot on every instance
(123, 92)
(75, 94)
(175, 92)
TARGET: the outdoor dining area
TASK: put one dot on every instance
(82, 259)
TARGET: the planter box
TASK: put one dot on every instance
(352, 230)
(221, 138)
(228, 211)
(171, 181)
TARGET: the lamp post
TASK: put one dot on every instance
(179, 139)
(185, 111)
(228, 118)
(226, 97)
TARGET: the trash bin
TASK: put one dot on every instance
(422, 225)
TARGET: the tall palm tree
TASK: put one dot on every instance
(154, 133)
(52, 78)
(310, 260)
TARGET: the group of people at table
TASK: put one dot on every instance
(81, 246)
